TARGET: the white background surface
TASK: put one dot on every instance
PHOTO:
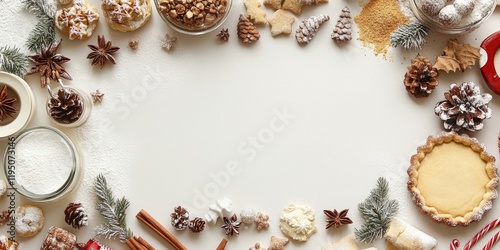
(353, 122)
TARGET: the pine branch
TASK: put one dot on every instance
(44, 31)
(378, 212)
(409, 36)
(113, 210)
(13, 61)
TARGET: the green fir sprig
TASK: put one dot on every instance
(13, 61)
(378, 211)
(113, 210)
(409, 36)
(44, 31)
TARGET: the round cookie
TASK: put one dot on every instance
(126, 15)
(297, 222)
(78, 21)
(29, 220)
(3, 188)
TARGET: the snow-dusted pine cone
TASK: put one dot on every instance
(76, 216)
(180, 218)
(343, 29)
(421, 77)
(247, 31)
(307, 29)
(464, 107)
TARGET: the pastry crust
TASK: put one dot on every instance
(29, 220)
(126, 15)
(434, 180)
(78, 21)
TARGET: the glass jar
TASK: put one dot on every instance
(42, 164)
(464, 24)
(25, 104)
(188, 18)
(69, 117)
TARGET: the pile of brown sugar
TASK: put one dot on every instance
(376, 22)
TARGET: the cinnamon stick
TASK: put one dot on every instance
(130, 245)
(152, 223)
(222, 244)
(137, 244)
(144, 243)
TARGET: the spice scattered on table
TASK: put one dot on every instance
(133, 44)
(231, 225)
(102, 52)
(97, 96)
(376, 22)
(336, 219)
(49, 64)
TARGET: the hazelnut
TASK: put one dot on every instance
(200, 6)
(195, 10)
(210, 18)
(180, 9)
(189, 14)
(172, 13)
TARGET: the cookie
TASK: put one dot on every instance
(294, 6)
(58, 239)
(274, 4)
(3, 188)
(254, 13)
(126, 15)
(29, 220)
(78, 21)
(281, 23)
(297, 222)
(6, 244)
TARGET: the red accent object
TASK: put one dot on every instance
(94, 245)
(491, 44)
(495, 223)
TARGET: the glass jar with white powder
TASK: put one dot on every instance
(42, 164)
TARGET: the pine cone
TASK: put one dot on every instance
(180, 218)
(421, 77)
(343, 29)
(197, 225)
(76, 216)
(247, 31)
(464, 107)
(66, 107)
(307, 29)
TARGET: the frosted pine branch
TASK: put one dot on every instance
(409, 36)
(113, 210)
(44, 31)
(13, 61)
(377, 211)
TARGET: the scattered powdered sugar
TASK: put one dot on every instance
(44, 161)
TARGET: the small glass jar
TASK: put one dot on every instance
(42, 164)
(466, 23)
(25, 104)
(81, 110)
(192, 17)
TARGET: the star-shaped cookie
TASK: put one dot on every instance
(281, 23)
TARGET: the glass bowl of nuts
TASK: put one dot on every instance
(193, 17)
(452, 16)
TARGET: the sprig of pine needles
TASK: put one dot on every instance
(409, 36)
(44, 31)
(13, 61)
(378, 211)
(113, 210)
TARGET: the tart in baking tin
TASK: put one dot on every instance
(453, 179)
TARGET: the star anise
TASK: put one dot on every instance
(102, 52)
(231, 225)
(6, 104)
(336, 219)
(48, 64)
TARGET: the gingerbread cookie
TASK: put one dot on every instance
(78, 21)
(29, 220)
(60, 239)
(126, 15)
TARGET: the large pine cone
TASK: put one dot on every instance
(180, 218)
(464, 107)
(66, 107)
(247, 31)
(197, 225)
(421, 77)
(75, 215)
